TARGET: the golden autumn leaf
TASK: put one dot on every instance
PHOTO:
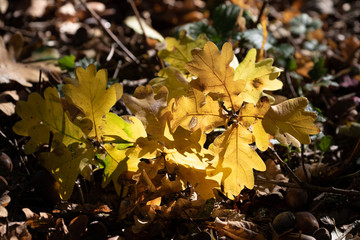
(236, 159)
(91, 96)
(146, 106)
(252, 115)
(289, 123)
(41, 116)
(196, 111)
(121, 133)
(65, 165)
(174, 80)
(178, 51)
(215, 76)
(257, 77)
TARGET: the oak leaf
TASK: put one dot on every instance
(257, 76)
(174, 80)
(196, 111)
(178, 51)
(65, 164)
(147, 106)
(252, 115)
(91, 96)
(121, 133)
(215, 76)
(236, 159)
(289, 123)
(41, 116)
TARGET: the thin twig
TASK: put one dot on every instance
(284, 165)
(303, 163)
(137, 14)
(311, 187)
(289, 82)
(110, 33)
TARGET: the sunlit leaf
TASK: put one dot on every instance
(215, 76)
(289, 123)
(91, 96)
(40, 117)
(258, 77)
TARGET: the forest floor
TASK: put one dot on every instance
(307, 192)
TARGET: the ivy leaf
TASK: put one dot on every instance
(146, 106)
(123, 133)
(174, 80)
(252, 115)
(64, 164)
(41, 116)
(196, 111)
(215, 76)
(178, 51)
(258, 77)
(92, 98)
(289, 123)
(236, 159)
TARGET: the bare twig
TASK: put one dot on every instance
(137, 14)
(352, 226)
(291, 86)
(285, 166)
(311, 187)
(303, 163)
(110, 33)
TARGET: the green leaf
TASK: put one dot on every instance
(224, 18)
(196, 28)
(303, 23)
(325, 143)
(318, 70)
(67, 63)
(254, 38)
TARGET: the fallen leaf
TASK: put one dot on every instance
(24, 74)
(7, 106)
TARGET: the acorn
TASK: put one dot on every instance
(299, 172)
(306, 222)
(6, 165)
(296, 198)
(283, 222)
(322, 234)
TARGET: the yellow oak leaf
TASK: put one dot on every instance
(257, 76)
(41, 116)
(236, 159)
(91, 96)
(178, 51)
(118, 129)
(289, 123)
(122, 132)
(196, 111)
(174, 80)
(215, 76)
(252, 115)
(65, 165)
(146, 106)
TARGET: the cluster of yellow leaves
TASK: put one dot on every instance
(199, 92)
